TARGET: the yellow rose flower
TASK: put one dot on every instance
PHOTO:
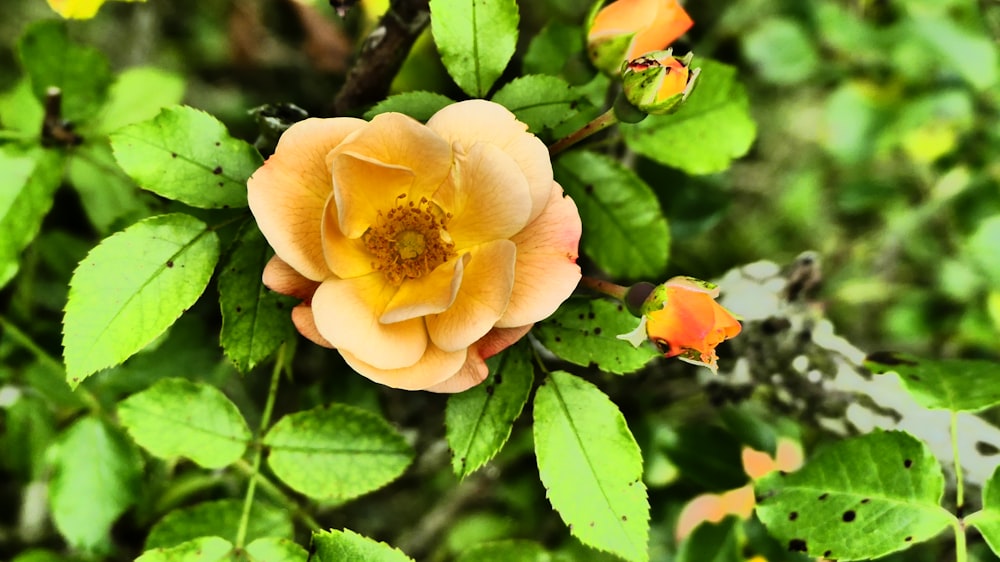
(418, 250)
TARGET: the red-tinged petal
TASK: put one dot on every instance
(475, 371)
(288, 193)
(431, 369)
(305, 323)
(623, 16)
(546, 272)
(281, 278)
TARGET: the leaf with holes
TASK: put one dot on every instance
(132, 287)
(510, 550)
(219, 517)
(180, 418)
(585, 332)
(31, 178)
(335, 546)
(987, 520)
(860, 498)
(475, 39)
(255, 320)
(202, 549)
(710, 129)
(479, 420)
(337, 452)
(418, 105)
(959, 385)
(624, 230)
(539, 101)
(591, 466)
(187, 155)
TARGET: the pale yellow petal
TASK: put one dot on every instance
(432, 368)
(363, 188)
(347, 314)
(305, 323)
(482, 298)
(475, 371)
(546, 272)
(487, 197)
(281, 278)
(346, 257)
(480, 121)
(429, 294)
(288, 193)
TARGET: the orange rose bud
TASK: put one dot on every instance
(683, 320)
(623, 30)
(657, 83)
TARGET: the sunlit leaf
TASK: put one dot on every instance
(21, 111)
(479, 420)
(337, 452)
(584, 332)
(337, 546)
(200, 549)
(187, 155)
(132, 287)
(30, 179)
(219, 517)
(179, 418)
(860, 498)
(475, 39)
(418, 105)
(591, 466)
(710, 129)
(943, 384)
(272, 549)
(138, 94)
(987, 520)
(538, 100)
(506, 551)
(624, 230)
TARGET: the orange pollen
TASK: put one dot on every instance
(410, 240)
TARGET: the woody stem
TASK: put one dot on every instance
(605, 287)
(600, 123)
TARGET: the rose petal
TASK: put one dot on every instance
(281, 278)
(287, 194)
(346, 257)
(432, 368)
(475, 371)
(487, 197)
(347, 313)
(546, 272)
(364, 188)
(481, 300)
(429, 294)
(670, 22)
(480, 121)
(305, 323)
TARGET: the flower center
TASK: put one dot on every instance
(410, 240)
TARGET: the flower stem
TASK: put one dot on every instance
(605, 287)
(959, 483)
(600, 123)
(278, 495)
(265, 421)
(961, 552)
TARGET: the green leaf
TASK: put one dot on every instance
(540, 101)
(475, 39)
(132, 287)
(972, 54)
(337, 452)
(981, 248)
(709, 130)
(95, 479)
(255, 320)
(139, 94)
(336, 546)
(51, 60)
(506, 551)
(781, 50)
(552, 48)
(624, 230)
(959, 385)
(109, 197)
(31, 178)
(591, 466)
(418, 105)
(987, 520)
(860, 498)
(584, 332)
(187, 155)
(20, 111)
(479, 420)
(276, 550)
(202, 549)
(711, 543)
(219, 517)
(179, 418)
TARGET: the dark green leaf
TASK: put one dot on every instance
(132, 287)
(479, 420)
(584, 332)
(109, 197)
(338, 452)
(51, 60)
(551, 48)
(782, 51)
(338, 546)
(709, 130)
(591, 466)
(861, 498)
(475, 39)
(30, 179)
(943, 384)
(187, 155)
(711, 543)
(418, 105)
(624, 229)
(255, 320)
(540, 101)
(220, 517)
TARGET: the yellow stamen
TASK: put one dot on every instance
(410, 240)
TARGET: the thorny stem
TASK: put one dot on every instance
(600, 123)
(605, 287)
(265, 421)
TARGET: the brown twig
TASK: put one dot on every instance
(382, 55)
